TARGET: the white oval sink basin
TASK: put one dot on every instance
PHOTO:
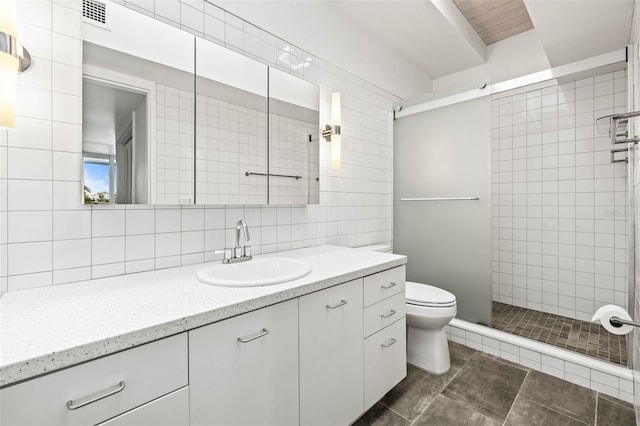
(255, 272)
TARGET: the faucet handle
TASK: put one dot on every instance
(246, 251)
(228, 253)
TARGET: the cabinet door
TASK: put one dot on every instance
(170, 410)
(244, 370)
(385, 361)
(331, 360)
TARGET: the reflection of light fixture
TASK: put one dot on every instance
(13, 60)
(331, 132)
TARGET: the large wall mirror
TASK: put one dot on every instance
(169, 118)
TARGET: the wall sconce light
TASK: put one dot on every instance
(14, 59)
(331, 132)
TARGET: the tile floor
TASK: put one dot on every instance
(484, 390)
(579, 336)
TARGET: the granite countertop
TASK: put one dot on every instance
(46, 329)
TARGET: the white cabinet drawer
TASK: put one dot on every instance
(147, 372)
(385, 361)
(383, 313)
(244, 370)
(383, 285)
(170, 410)
(331, 366)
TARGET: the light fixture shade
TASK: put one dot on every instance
(335, 151)
(8, 18)
(336, 137)
(9, 64)
(8, 90)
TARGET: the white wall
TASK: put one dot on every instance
(514, 57)
(48, 237)
(559, 205)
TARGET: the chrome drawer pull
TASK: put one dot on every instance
(258, 335)
(337, 305)
(387, 287)
(391, 312)
(71, 405)
(391, 342)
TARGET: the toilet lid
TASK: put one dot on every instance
(428, 295)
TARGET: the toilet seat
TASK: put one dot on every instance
(427, 295)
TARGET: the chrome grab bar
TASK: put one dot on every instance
(391, 342)
(442, 199)
(337, 305)
(71, 405)
(259, 334)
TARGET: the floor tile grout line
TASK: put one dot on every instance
(517, 395)
(595, 415)
(394, 411)
(443, 388)
(559, 412)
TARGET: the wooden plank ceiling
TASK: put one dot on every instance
(495, 20)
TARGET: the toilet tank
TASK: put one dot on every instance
(384, 248)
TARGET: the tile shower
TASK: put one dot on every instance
(559, 204)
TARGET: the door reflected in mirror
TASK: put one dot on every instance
(115, 143)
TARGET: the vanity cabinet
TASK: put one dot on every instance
(331, 359)
(323, 358)
(116, 384)
(244, 370)
(384, 333)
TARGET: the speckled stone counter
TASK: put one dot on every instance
(46, 329)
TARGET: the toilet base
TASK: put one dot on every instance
(428, 349)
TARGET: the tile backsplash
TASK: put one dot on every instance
(559, 204)
(48, 237)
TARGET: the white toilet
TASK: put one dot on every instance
(429, 310)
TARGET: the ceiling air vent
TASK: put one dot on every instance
(95, 12)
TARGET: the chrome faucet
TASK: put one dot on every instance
(241, 225)
(239, 254)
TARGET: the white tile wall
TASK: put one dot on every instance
(174, 148)
(559, 204)
(72, 242)
(291, 154)
(231, 140)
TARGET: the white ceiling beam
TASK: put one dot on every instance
(457, 20)
(572, 69)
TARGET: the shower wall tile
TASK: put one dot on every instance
(559, 204)
(75, 242)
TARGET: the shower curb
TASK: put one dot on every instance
(592, 373)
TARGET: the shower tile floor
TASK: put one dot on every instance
(574, 335)
(484, 390)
